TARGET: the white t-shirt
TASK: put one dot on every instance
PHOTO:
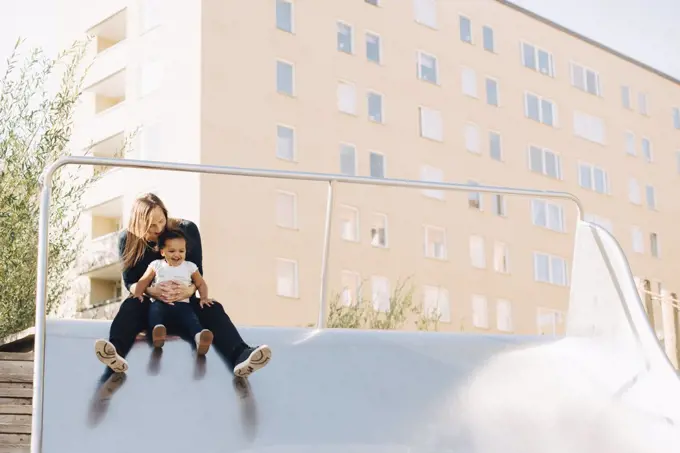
(166, 273)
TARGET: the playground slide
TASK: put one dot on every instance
(606, 387)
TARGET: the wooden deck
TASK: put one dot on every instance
(16, 392)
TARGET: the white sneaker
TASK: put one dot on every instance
(107, 354)
(203, 340)
(252, 359)
(158, 335)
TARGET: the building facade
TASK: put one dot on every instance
(481, 92)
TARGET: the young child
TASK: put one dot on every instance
(172, 245)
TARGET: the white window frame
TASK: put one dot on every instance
(626, 100)
(294, 198)
(575, 67)
(648, 154)
(477, 248)
(354, 152)
(422, 17)
(427, 231)
(468, 74)
(551, 277)
(675, 115)
(654, 245)
(296, 282)
(500, 145)
(493, 39)
(340, 92)
(292, 15)
(292, 158)
(637, 239)
(435, 115)
(558, 319)
(504, 323)
(551, 70)
(475, 198)
(547, 206)
(380, 47)
(486, 91)
(356, 230)
(380, 305)
(462, 17)
(629, 139)
(385, 227)
(432, 193)
(292, 67)
(472, 136)
(592, 168)
(384, 164)
(347, 297)
(583, 127)
(340, 23)
(441, 308)
(382, 106)
(540, 109)
(419, 58)
(634, 191)
(544, 172)
(500, 207)
(501, 258)
(480, 311)
(653, 203)
(643, 104)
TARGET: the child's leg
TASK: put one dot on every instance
(156, 326)
(189, 321)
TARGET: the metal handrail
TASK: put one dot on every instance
(331, 179)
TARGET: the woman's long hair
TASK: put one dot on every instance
(138, 226)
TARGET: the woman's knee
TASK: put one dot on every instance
(132, 305)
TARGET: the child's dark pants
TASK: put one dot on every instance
(181, 314)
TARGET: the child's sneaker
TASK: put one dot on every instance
(107, 354)
(203, 339)
(252, 359)
(158, 335)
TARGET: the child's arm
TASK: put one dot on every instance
(202, 287)
(144, 282)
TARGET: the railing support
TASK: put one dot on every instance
(328, 227)
(332, 179)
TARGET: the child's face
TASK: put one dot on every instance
(174, 251)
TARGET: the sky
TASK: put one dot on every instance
(643, 29)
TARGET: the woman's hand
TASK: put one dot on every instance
(174, 291)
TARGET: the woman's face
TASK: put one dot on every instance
(156, 224)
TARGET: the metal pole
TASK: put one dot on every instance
(321, 322)
(40, 317)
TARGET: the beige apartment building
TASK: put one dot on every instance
(457, 91)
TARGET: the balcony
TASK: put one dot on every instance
(100, 259)
(111, 147)
(109, 47)
(109, 92)
(108, 187)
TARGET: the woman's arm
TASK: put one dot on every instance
(195, 247)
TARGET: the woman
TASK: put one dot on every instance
(137, 248)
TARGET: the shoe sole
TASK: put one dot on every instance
(106, 353)
(158, 336)
(256, 360)
(205, 339)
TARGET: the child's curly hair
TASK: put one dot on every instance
(170, 233)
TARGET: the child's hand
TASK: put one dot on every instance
(205, 301)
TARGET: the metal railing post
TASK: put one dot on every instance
(40, 316)
(321, 322)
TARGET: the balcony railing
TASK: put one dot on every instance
(99, 252)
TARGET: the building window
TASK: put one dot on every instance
(380, 293)
(634, 191)
(348, 160)
(676, 117)
(373, 51)
(495, 148)
(286, 209)
(349, 223)
(351, 288)
(477, 252)
(347, 98)
(472, 138)
(504, 315)
(637, 239)
(630, 144)
(344, 37)
(379, 231)
(642, 104)
(435, 242)
(427, 68)
(499, 205)
(375, 107)
(501, 258)
(625, 97)
(538, 59)
(431, 124)
(487, 36)
(593, 178)
(474, 198)
(654, 244)
(550, 269)
(432, 174)
(677, 161)
(545, 162)
(286, 278)
(600, 221)
(540, 109)
(425, 12)
(377, 164)
(151, 13)
(151, 77)
(480, 312)
(548, 215)
(284, 15)
(589, 127)
(651, 196)
(436, 303)
(284, 78)
(465, 29)
(585, 79)
(373, 2)
(469, 82)
(549, 322)
(647, 149)
(492, 92)
(285, 143)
